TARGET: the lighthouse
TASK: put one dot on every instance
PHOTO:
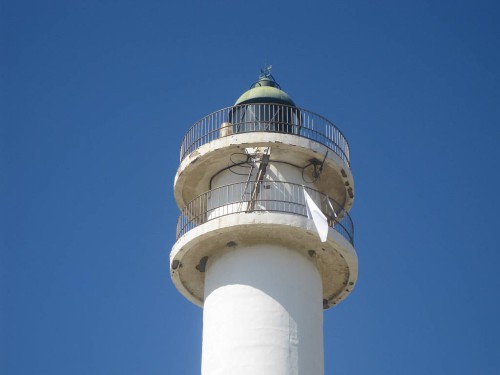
(264, 239)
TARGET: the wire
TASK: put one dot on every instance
(248, 164)
(239, 174)
(241, 164)
(304, 179)
(239, 153)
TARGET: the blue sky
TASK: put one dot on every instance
(95, 99)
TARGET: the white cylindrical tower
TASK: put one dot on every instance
(262, 313)
(246, 249)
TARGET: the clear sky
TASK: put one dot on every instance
(95, 99)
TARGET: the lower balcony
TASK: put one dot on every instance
(264, 196)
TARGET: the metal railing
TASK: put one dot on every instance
(264, 196)
(265, 118)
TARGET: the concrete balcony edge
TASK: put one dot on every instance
(336, 259)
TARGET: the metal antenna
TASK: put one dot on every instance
(323, 163)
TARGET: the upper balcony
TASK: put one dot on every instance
(265, 118)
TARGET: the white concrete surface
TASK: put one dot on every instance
(263, 313)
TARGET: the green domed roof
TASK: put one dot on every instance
(265, 90)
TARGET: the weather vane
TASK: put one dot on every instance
(266, 71)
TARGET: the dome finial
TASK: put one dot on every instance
(266, 78)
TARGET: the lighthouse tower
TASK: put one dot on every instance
(264, 238)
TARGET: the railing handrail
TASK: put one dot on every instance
(208, 206)
(299, 121)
